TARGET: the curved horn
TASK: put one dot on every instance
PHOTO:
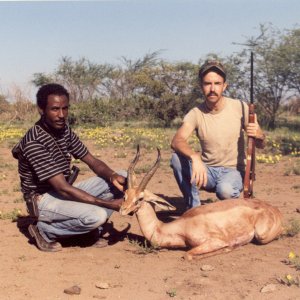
(150, 173)
(131, 168)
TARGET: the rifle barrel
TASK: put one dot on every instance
(251, 81)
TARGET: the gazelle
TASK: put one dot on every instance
(208, 229)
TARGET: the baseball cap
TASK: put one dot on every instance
(213, 65)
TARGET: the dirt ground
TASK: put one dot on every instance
(125, 270)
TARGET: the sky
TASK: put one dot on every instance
(35, 35)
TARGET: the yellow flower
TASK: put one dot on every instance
(292, 255)
(289, 277)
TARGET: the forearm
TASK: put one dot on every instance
(69, 192)
(78, 195)
(182, 146)
(103, 170)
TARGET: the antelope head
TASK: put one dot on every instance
(135, 195)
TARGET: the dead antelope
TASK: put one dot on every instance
(212, 228)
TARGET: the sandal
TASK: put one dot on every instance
(41, 243)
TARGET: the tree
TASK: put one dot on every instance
(273, 73)
(152, 87)
(4, 105)
(291, 49)
(133, 74)
(83, 79)
(40, 79)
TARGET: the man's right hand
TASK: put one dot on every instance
(180, 144)
(199, 171)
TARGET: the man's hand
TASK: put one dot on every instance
(118, 181)
(199, 172)
(253, 129)
(102, 170)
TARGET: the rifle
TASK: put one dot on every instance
(250, 158)
(74, 173)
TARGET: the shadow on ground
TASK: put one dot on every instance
(110, 233)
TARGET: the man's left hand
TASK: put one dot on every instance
(253, 129)
(118, 181)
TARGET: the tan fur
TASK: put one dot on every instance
(209, 228)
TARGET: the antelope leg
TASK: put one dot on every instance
(211, 247)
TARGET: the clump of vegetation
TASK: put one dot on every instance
(279, 143)
(293, 169)
(268, 159)
(292, 260)
(19, 200)
(120, 137)
(289, 280)
(282, 141)
(293, 228)
(143, 247)
(11, 132)
(120, 154)
(296, 187)
(172, 293)
(142, 169)
(12, 215)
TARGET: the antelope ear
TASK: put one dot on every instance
(158, 201)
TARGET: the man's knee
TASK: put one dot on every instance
(226, 191)
(122, 173)
(95, 218)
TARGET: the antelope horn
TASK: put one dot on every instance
(150, 173)
(131, 168)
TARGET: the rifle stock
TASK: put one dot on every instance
(74, 173)
(250, 160)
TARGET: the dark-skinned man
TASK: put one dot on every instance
(44, 154)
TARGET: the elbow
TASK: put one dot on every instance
(174, 144)
(64, 194)
(64, 190)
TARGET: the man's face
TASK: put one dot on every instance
(56, 111)
(213, 86)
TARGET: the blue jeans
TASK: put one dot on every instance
(225, 182)
(60, 218)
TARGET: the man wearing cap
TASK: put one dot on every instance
(220, 123)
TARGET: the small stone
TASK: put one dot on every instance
(207, 268)
(73, 290)
(268, 288)
(102, 285)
